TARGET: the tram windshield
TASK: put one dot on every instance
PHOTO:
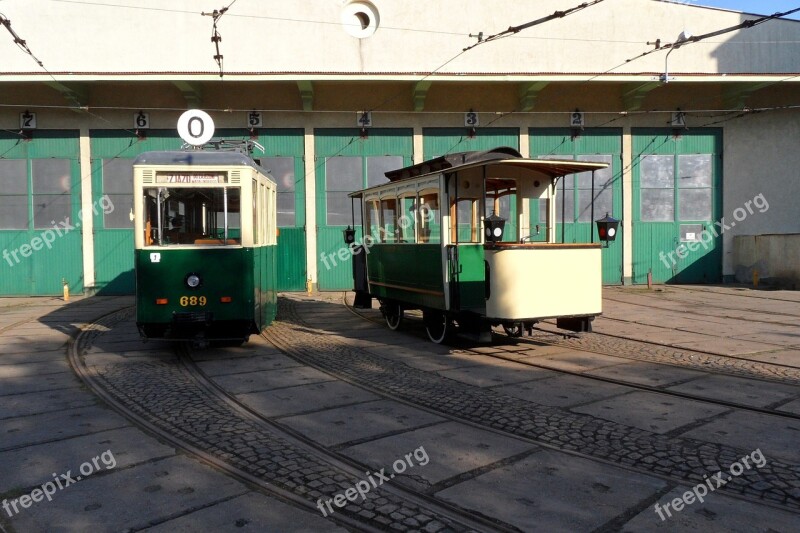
(192, 216)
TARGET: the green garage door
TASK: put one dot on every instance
(574, 194)
(284, 150)
(441, 141)
(40, 213)
(677, 196)
(113, 152)
(344, 163)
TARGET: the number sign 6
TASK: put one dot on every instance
(196, 127)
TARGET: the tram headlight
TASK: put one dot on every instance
(193, 281)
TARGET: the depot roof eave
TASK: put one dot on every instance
(398, 76)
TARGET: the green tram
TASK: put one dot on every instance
(205, 241)
(435, 240)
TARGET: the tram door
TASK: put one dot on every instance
(574, 222)
(464, 252)
(677, 197)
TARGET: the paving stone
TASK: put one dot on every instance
(345, 424)
(447, 449)
(249, 512)
(549, 491)
(303, 398)
(563, 390)
(776, 438)
(738, 390)
(716, 513)
(651, 411)
(130, 498)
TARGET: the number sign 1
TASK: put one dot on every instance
(196, 127)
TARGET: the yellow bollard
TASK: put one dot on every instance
(309, 286)
(66, 289)
(755, 278)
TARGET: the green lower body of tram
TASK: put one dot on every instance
(234, 297)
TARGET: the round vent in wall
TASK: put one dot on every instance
(360, 19)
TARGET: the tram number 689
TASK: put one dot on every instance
(193, 300)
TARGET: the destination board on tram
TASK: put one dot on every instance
(190, 177)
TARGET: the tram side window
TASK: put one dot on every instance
(466, 213)
(429, 217)
(405, 219)
(256, 213)
(183, 215)
(373, 219)
(389, 220)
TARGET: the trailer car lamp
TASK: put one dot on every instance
(494, 228)
(349, 235)
(607, 228)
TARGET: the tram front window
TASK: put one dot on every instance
(192, 216)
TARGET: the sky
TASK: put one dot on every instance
(763, 7)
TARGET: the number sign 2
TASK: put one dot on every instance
(27, 120)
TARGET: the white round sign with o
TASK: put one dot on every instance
(196, 127)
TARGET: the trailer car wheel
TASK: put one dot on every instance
(514, 329)
(393, 312)
(438, 326)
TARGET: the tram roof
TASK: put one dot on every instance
(504, 155)
(197, 157)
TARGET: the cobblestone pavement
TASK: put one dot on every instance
(685, 460)
(165, 394)
(334, 397)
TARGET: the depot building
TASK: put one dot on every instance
(700, 130)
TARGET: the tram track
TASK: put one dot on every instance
(631, 385)
(342, 472)
(622, 446)
(667, 456)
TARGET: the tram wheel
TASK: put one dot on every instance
(513, 330)
(438, 326)
(393, 313)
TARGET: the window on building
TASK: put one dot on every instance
(603, 192)
(118, 187)
(343, 175)
(52, 198)
(657, 180)
(282, 171)
(13, 194)
(694, 186)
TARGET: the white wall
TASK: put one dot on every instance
(306, 36)
(761, 157)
